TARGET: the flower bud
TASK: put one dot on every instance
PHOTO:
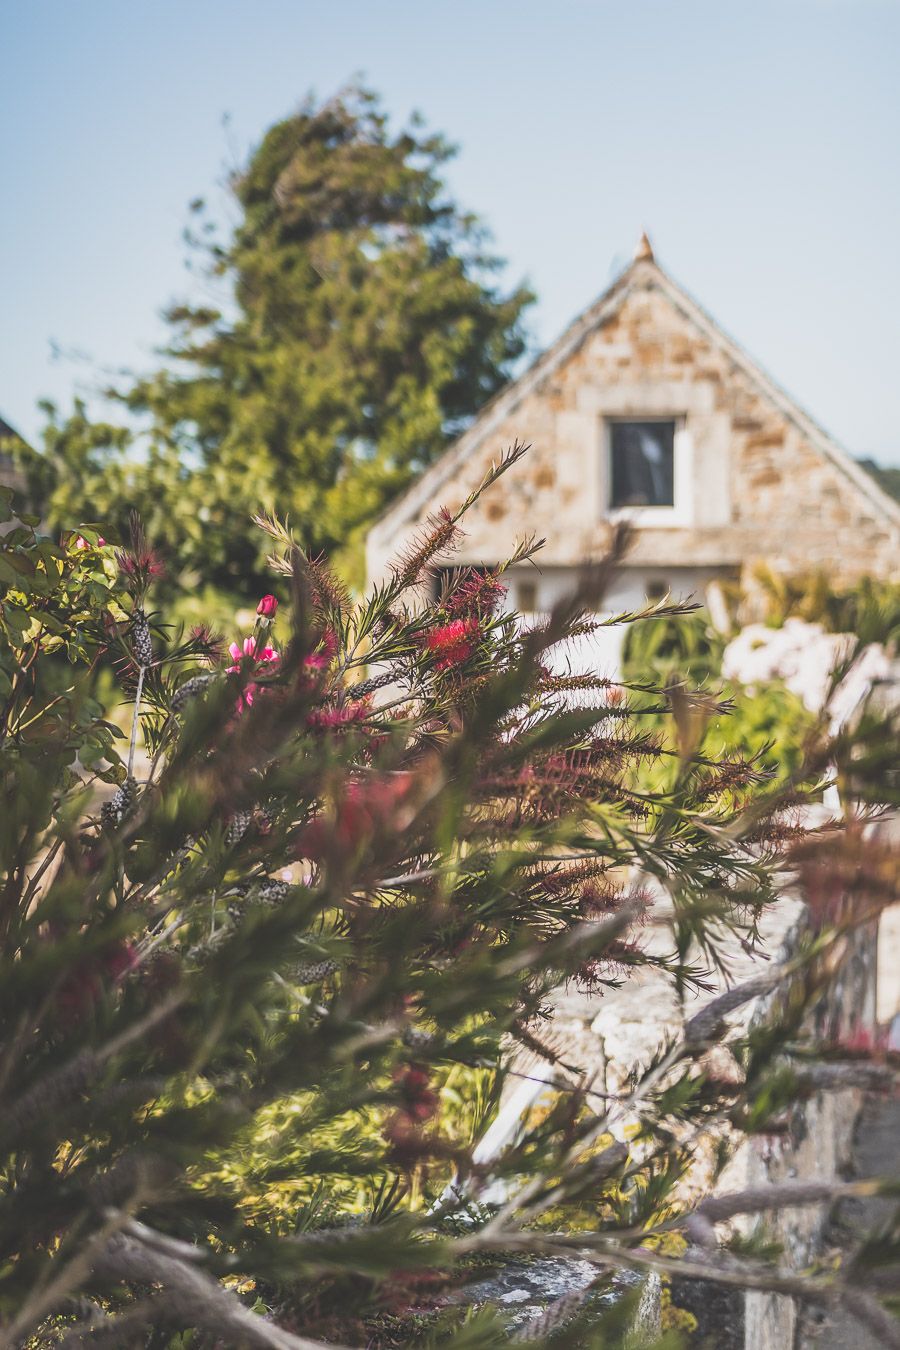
(267, 607)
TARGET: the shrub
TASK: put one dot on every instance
(253, 1004)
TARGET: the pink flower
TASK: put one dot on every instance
(263, 656)
(81, 542)
(267, 607)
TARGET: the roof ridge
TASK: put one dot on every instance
(644, 267)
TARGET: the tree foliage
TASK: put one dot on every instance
(238, 995)
(360, 325)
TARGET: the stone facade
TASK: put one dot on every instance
(755, 478)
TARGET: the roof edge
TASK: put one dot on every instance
(644, 269)
(506, 399)
(784, 401)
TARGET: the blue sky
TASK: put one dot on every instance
(757, 142)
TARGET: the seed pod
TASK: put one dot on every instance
(114, 811)
(237, 827)
(140, 639)
(314, 971)
(190, 689)
(265, 892)
(366, 687)
(270, 892)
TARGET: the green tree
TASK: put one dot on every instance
(360, 326)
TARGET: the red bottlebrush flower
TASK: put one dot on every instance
(438, 535)
(419, 1100)
(85, 986)
(210, 643)
(408, 1145)
(340, 715)
(599, 971)
(453, 643)
(78, 993)
(597, 899)
(475, 594)
(120, 960)
(360, 812)
(317, 662)
(418, 1104)
(144, 566)
(328, 645)
(267, 607)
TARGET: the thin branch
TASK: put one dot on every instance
(196, 1297)
(135, 721)
(61, 1286)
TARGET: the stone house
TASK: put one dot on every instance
(644, 408)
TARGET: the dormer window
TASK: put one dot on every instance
(641, 464)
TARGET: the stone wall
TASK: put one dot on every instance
(613, 1035)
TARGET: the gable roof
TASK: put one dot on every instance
(644, 273)
(7, 431)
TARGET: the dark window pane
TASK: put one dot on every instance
(643, 464)
(526, 597)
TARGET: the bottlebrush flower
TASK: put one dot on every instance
(87, 983)
(452, 643)
(144, 566)
(865, 1041)
(362, 811)
(267, 607)
(419, 1100)
(208, 642)
(418, 1104)
(120, 960)
(317, 662)
(340, 714)
(476, 593)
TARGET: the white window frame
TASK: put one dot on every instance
(681, 512)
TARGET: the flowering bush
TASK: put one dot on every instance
(239, 996)
(801, 655)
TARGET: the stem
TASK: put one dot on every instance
(135, 719)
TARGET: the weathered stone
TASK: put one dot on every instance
(531, 1293)
(759, 479)
(613, 1036)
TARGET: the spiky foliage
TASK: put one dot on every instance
(361, 853)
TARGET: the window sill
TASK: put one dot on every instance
(650, 517)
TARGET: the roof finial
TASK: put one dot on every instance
(644, 250)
